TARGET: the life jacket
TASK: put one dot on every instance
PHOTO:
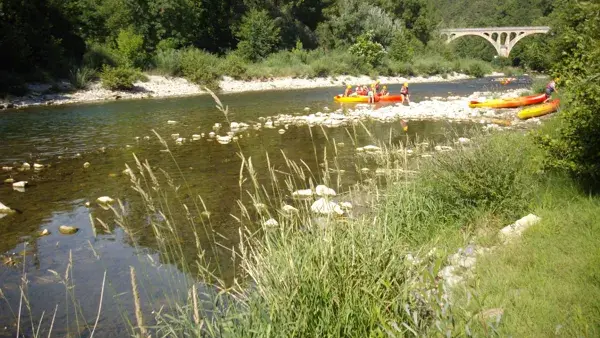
(551, 86)
(404, 90)
(348, 92)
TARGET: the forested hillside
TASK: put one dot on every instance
(46, 39)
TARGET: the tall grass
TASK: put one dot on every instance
(351, 277)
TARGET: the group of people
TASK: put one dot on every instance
(375, 89)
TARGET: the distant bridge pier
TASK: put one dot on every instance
(502, 38)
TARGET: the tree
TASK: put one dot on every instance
(347, 20)
(258, 35)
(576, 145)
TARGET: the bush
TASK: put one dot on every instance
(258, 34)
(12, 84)
(476, 68)
(118, 78)
(130, 47)
(404, 47)
(431, 66)
(81, 77)
(368, 50)
(99, 55)
(168, 62)
(235, 66)
(575, 146)
(201, 67)
(497, 175)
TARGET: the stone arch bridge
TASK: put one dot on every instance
(502, 38)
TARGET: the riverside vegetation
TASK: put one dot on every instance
(204, 40)
(351, 276)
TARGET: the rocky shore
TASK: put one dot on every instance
(163, 87)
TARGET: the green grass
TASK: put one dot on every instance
(549, 283)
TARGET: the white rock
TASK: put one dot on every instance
(271, 223)
(212, 134)
(365, 170)
(371, 148)
(171, 122)
(86, 165)
(224, 139)
(515, 230)
(281, 131)
(323, 206)
(234, 125)
(288, 209)
(306, 108)
(21, 184)
(5, 210)
(217, 126)
(323, 190)
(202, 134)
(7, 168)
(180, 140)
(175, 136)
(37, 166)
(137, 138)
(105, 200)
(303, 193)
(196, 137)
(146, 138)
(44, 232)
(26, 166)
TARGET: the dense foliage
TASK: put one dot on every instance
(47, 39)
(575, 145)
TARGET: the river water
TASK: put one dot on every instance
(66, 137)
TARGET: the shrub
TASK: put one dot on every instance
(404, 47)
(258, 34)
(81, 77)
(370, 51)
(201, 67)
(496, 175)
(235, 66)
(575, 146)
(12, 84)
(168, 62)
(130, 47)
(118, 78)
(99, 55)
(477, 68)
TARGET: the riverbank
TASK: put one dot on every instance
(398, 251)
(164, 87)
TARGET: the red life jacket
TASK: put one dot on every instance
(404, 90)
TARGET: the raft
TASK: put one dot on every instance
(539, 110)
(509, 102)
(365, 99)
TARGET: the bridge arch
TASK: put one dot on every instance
(502, 38)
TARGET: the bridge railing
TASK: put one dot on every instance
(495, 29)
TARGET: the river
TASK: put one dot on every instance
(106, 135)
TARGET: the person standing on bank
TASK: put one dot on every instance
(405, 94)
(551, 88)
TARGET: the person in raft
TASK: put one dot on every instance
(348, 91)
(376, 85)
(384, 91)
(550, 88)
(371, 94)
(405, 94)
